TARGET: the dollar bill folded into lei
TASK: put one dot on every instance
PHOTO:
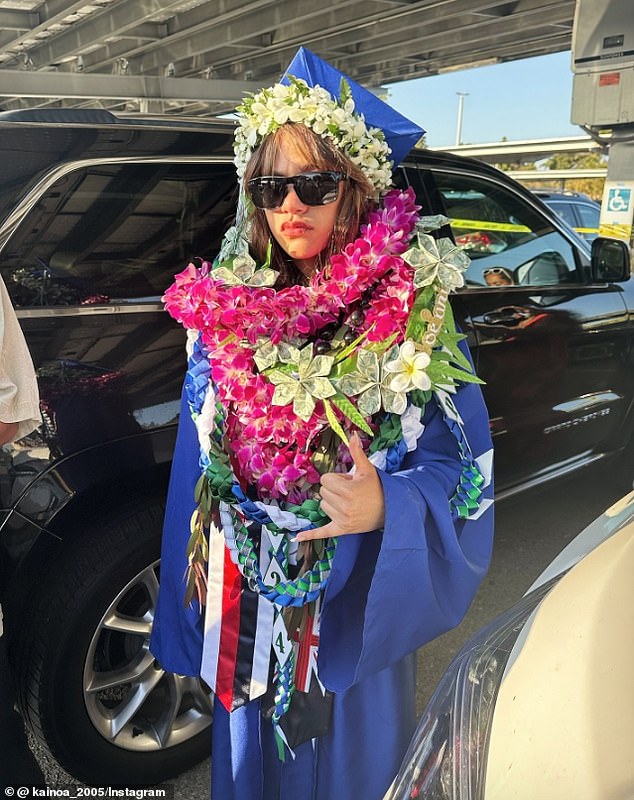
(280, 378)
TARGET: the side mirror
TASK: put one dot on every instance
(610, 260)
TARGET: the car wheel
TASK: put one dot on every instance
(91, 690)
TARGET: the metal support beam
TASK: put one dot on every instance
(126, 87)
(17, 20)
(374, 41)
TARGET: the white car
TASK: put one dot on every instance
(539, 704)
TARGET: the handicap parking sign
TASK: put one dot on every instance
(617, 209)
(619, 199)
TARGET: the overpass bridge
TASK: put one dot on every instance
(515, 155)
(528, 150)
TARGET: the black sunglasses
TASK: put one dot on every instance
(313, 188)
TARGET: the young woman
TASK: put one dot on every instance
(344, 503)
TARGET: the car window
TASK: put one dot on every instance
(589, 215)
(565, 211)
(117, 232)
(509, 242)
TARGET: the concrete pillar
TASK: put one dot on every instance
(617, 205)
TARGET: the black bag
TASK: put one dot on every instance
(308, 717)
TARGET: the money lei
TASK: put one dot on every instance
(302, 379)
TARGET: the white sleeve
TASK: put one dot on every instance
(19, 397)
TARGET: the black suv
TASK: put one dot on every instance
(97, 213)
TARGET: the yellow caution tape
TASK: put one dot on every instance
(481, 225)
(616, 231)
(620, 231)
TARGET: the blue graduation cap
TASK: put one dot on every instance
(401, 133)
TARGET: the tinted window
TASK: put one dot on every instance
(589, 215)
(565, 211)
(117, 232)
(508, 241)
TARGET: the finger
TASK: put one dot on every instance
(324, 532)
(335, 482)
(334, 507)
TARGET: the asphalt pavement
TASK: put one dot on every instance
(531, 528)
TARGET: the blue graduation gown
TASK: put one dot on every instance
(389, 592)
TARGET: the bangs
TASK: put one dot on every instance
(316, 152)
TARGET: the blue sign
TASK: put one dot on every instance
(619, 199)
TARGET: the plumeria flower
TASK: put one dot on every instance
(408, 370)
(309, 383)
(244, 271)
(437, 259)
(327, 116)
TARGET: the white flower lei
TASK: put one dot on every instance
(263, 113)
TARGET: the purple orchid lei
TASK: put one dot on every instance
(367, 290)
(293, 372)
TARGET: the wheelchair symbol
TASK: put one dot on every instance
(619, 199)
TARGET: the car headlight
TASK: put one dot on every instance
(447, 757)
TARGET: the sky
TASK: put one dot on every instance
(527, 99)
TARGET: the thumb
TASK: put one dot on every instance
(359, 458)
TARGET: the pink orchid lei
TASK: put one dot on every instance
(280, 378)
(271, 447)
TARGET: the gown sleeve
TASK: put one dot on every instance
(393, 590)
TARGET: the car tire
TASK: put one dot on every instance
(89, 687)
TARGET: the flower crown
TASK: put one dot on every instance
(263, 113)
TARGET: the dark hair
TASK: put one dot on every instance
(318, 153)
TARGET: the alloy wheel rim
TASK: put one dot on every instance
(131, 700)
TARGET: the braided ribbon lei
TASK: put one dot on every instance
(398, 435)
(429, 345)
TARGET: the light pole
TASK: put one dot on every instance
(461, 97)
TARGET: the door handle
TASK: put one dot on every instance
(511, 315)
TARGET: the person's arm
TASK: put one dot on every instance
(8, 431)
(393, 590)
(19, 398)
